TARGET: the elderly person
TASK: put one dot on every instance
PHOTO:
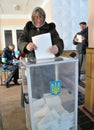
(38, 26)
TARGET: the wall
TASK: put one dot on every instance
(10, 22)
(48, 10)
(91, 23)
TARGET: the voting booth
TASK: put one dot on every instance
(50, 89)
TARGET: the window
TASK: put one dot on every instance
(11, 35)
(8, 37)
(18, 34)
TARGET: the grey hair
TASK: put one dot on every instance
(40, 10)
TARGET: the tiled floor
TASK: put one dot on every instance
(13, 115)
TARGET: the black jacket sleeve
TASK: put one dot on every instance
(56, 40)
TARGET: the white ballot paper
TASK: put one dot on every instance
(16, 62)
(50, 121)
(43, 43)
(79, 37)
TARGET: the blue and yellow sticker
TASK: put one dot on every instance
(55, 87)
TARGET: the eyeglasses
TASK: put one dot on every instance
(38, 17)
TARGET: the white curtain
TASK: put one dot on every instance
(67, 14)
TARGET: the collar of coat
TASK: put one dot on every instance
(46, 26)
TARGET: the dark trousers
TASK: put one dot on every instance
(14, 73)
(81, 58)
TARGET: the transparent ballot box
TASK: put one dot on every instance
(51, 91)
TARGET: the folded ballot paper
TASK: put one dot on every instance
(50, 121)
(38, 103)
(54, 102)
(41, 112)
(68, 100)
(40, 109)
(67, 121)
(51, 100)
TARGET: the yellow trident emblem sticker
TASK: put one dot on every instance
(55, 87)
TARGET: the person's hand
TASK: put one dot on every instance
(76, 39)
(31, 46)
(54, 49)
(14, 59)
(83, 38)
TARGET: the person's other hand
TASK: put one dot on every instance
(76, 39)
(54, 49)
(83, 38)
(31, 46)
(14, 59)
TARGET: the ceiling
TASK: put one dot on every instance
(19, 7)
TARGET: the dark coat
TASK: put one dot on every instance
(81, 47)
(9, 56)
(30, 30)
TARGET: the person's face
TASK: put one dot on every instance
(82, 26)
(38, 19)
(11, 48)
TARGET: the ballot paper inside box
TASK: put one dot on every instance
(47, 112)
(67, 99)
(50, 121)
(67, 121)
(50, 112)
(54, 102)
